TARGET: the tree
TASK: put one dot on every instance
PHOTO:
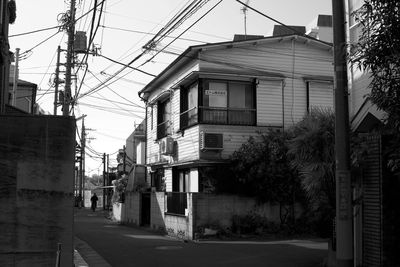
(261, 169)
(378, 52)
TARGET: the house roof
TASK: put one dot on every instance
(191, 53)
(23, 83)
(280, 30)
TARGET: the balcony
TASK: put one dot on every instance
(229, 116)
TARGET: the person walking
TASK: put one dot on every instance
(94, 199)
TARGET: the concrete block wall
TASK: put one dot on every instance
(218, 209)
(131, 209)
(157, 216)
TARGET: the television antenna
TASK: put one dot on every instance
(244, 10)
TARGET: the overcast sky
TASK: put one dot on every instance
(126, 26)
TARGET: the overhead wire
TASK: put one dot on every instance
(104, 83)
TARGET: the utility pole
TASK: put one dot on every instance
(82, 161)
(108, 180)
(69, 61)
(104, 181)
(124, 160)
(57, 81)
(344, 214)
(5, 59)
(15, 79)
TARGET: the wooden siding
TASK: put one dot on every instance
(277, 57)
(321, 95)
(188, 145)
(359, 90)
(269, 103)
(295, 103)
(168, 179)
(372, 210)
(291, 59)
(233, 136)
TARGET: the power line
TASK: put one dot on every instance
(149, 33)
(35, 31)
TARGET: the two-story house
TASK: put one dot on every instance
(213, 97)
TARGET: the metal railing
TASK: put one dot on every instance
(233, 116)
(176, 202)
(163, 129)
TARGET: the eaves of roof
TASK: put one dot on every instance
(191, 53)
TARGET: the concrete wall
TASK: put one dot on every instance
(157, 217)
(219, 209)
(36, 189)
(130, 213)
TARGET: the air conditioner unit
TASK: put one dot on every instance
(167, 146)
(211, 141)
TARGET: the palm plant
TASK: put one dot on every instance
(312, 154)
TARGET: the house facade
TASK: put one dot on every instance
(213, 97)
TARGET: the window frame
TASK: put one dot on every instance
(163, 131)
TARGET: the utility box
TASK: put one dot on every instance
(80, 44)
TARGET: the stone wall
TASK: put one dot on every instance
(37, 156)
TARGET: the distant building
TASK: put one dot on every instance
(25, 99)
(321, 28)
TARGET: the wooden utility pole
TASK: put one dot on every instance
(57, 81)
(15, 78)
(69, 61)
(4, 58)
(344, 214)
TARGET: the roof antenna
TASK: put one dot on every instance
(244, 10)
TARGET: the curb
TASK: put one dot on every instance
(85, 256)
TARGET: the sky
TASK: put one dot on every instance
(113, 111)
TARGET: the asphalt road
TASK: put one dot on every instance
(127, 246)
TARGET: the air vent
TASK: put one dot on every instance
(211, 141)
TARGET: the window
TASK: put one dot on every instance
(163, 118)
(189, 103)
(218, 102)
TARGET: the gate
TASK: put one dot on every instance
(145, 209)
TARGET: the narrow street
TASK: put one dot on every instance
(102, 242)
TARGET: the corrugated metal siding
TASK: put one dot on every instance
(269, 103)
(321, 95)
(372, 210)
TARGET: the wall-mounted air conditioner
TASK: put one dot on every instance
(211, 141)
(167, 146)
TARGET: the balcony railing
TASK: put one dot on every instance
(176, 202)
(163, 129)
(228, 116)
(189, 117)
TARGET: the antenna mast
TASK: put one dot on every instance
(244, 10)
